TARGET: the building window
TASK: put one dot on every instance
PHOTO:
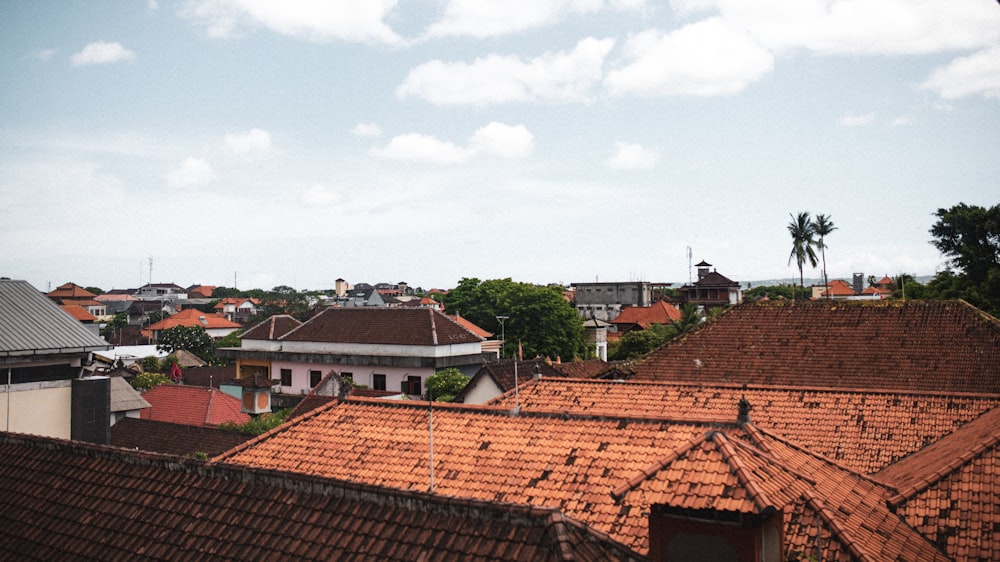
(286, 377)
(378, 382)
(411, 386)
(314, 378)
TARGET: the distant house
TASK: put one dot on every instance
(45, 355)
(71, 294)
(200, 291)
(192, 405)
(379, 347)
(712, 289)
(839, 289)
(643, 317)
(126, 402)
(604, 301)
(238, 309)
(498, 377)
(216, 325)
(161, 291)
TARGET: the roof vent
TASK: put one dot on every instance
(744, 412)
(202, 320)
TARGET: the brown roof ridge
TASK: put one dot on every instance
(767, 387)
(729, 454)
(842, 534)
(819, 456)
(658, 465)
(760, 449)
(208, 411)
(951, 462)
(434, 332)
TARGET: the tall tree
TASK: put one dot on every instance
(822, 227)
(970, 237)
(803, 244)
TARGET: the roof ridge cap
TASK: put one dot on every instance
(729, 454)
(434, 334)
(825, 459)
(658, 465)
(760, 450)
(905, 494)
(834, 526)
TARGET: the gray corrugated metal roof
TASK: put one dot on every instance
(32, 324)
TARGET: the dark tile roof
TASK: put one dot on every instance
(272, 328)
(584, 369)
(63, 500)
(173, 438)
(903, 345)
(862, 430)
(502, 373)
(393, 326)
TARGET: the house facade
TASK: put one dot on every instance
(604, 301)
(712, 289)
(45, 381)
(382, 348)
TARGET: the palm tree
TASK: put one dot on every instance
(822, 226)
(802, 230)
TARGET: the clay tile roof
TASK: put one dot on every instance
(503, 374)
(173, 438)
(864, 430)
(658, 313)
(910, 345)
(470, 326)
(192, 405)
(80, 501)
(568, 462)
(382, 325)
(839, 288)
(272, 328)
(583, 369)
(949, 490)
(194, 317)
(70, 291)
(78, 312)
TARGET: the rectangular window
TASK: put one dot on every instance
(314, 378)
(378, 382)
(286, 377)
(411, 386)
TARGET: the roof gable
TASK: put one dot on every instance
(192, 405)
(392, 326)
(272, 328)
(659, 312)
(903, 345)
(193, 317)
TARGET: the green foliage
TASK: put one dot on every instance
(231, 340)
(95, 290)
(260, 424)
(147, 380)
(154, 317)
(192, 338)
(771, 292)
(117, 322)
(970, 237)
(636, 343)
(539, 318)
(225, 292)
(444, 385)
(149, 364)
(803, 231)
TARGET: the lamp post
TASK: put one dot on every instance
(503, 339)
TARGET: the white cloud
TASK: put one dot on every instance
(975, 74)
(494, 139)
(102, 52)
(367, 130)
(562, 76)
(192, 172)
(152, 5)
(853, 120)
(902, 120)
(863, 26)
(498, 139)
(320, 195)
(632, 157)
(46, 54)
(706, 58)
(254, 140)
(312, 20)
(489, 19)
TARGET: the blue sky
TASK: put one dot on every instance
(295, 142)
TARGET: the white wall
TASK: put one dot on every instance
(40, 408)
(362, 374)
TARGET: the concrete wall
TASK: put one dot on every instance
(41, 408)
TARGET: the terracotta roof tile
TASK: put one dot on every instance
(194, 317)
(192, 405)
(888, 344)
(861, 429)
(272, 328)
(76, 501)
(659, 312)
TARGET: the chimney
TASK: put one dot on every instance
(859, 283)
(744, 411)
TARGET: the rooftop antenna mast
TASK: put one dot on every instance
(430, 430)
(150, 270)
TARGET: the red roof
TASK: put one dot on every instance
(194, 317)
(70, 291)
(192, 405)
(470, 326)
(78, 312)
(659, 312)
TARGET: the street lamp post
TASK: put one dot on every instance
(503, 339)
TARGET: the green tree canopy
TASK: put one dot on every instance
(538, 318)
(444, 385)
(192, 338)
(146, 381)
(802, 230)
(970, 237)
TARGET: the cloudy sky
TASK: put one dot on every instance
(264, 143)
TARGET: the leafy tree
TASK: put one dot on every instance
(690, 319)
(771, 292)
(444, 385)
(822, 226)
(224, 292)
(147, 380)
(538, 318)
(803, 244)
(192, 338)
(117, 322)
(970, 237)
(95, 290)
(149, 364)
(636, 343)
(230, 340)
(155, 316)
(259, 424)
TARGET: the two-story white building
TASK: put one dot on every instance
(382, 348)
